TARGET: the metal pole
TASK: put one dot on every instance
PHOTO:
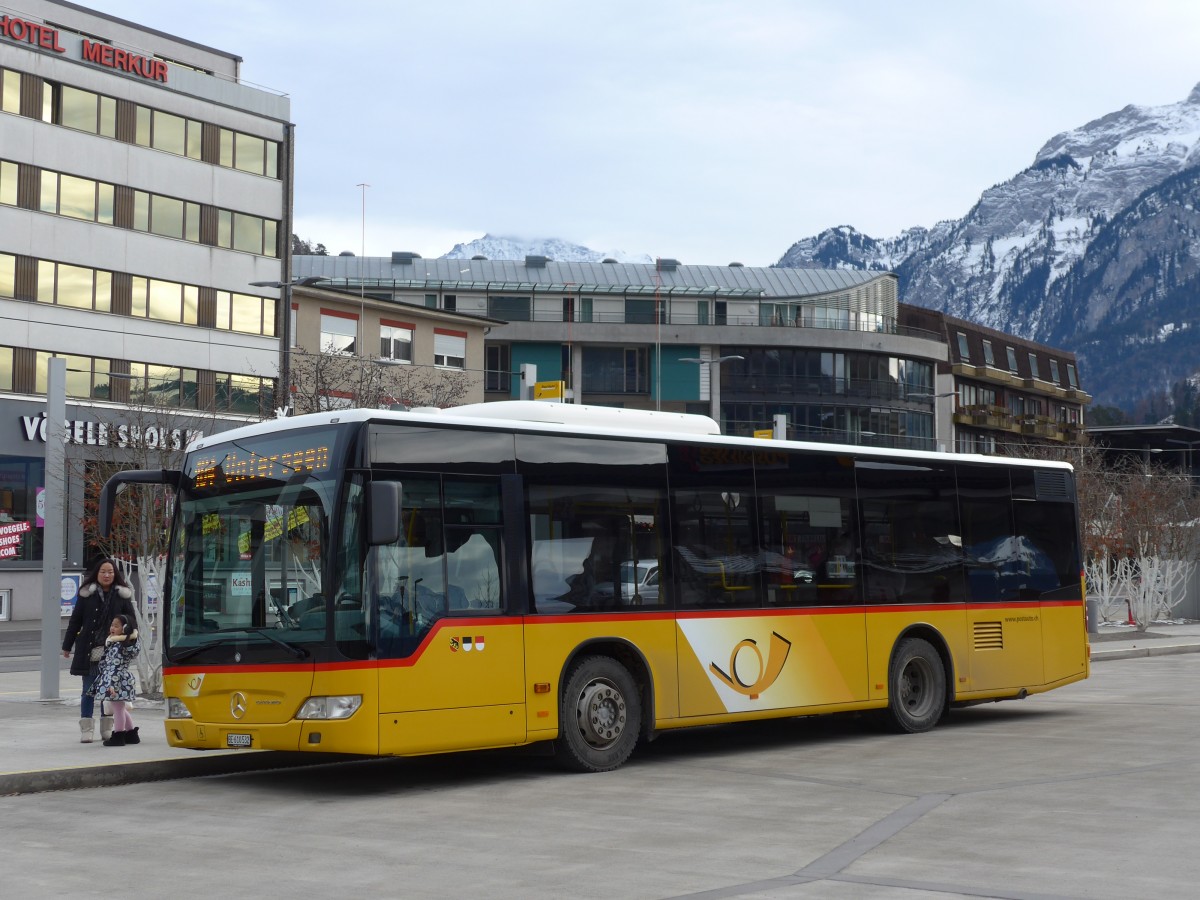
(285, 337)
(52, 531)
(285, 362)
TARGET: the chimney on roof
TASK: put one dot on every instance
(478, 256)
(608, 259)
(735, 265)
(404, 257)
(665, 264)
(536, 262)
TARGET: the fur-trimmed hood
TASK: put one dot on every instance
(88, 589)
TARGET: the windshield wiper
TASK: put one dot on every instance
(295, 650)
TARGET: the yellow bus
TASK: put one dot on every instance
(401, 583)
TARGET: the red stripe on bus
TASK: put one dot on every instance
(591, 618)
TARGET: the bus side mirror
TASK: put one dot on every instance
(383, 513)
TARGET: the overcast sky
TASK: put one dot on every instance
(708, 131)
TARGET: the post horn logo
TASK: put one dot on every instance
(767, 672)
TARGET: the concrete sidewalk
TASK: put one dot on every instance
(40, 748)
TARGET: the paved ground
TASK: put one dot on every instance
(40, 748)
(1085, 792)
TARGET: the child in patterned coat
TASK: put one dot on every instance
(114, 684)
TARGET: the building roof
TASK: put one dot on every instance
(537, 275)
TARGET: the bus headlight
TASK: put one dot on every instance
(338, 707)
(176, 709)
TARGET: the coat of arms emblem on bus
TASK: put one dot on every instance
(767, 672)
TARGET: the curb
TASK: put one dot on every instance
(43, 780)
(1136, 652)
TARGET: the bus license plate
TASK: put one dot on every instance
(237, 740)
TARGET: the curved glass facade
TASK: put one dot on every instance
(829, 395)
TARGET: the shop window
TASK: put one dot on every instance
(21, 480)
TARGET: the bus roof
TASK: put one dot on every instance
(576, 419)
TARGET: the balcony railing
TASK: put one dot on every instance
(740, 386)
(872, 324)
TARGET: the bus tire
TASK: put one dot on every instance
(600, 716)
(916, 687)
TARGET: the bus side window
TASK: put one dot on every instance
(472, 544)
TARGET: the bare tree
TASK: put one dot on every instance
(328, 380)
(141, 436)
(1136, 518)
(1156, 530)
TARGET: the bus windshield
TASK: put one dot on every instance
(252, 534)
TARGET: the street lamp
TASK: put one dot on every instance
(285, 332)
(714, 385)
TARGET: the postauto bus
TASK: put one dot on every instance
(397, 583)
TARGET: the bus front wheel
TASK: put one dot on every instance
(600, 716)
(916, 687)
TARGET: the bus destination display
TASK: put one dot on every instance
(235, 465)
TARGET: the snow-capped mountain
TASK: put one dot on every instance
(497, 247)
(1095, 247)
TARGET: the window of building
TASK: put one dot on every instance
(395, 341)
(450, 303)
(431, 301)
(1071, 379)
(511, 309)
(339, 332)
(1012, 359)
(8, 183)
(10, 91)
(245, 312)
(964, 351)
(243, 394)
(192, 132)
(8, 275)
(86, 111)
(449, 348)
(1033, 366)
(616, 370)
(989, 358)
(498, 365)
(1054, 371)
(75, 286)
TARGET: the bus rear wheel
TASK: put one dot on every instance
(600, 716)
(916, 687)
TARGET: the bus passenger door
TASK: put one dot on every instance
(451, 663)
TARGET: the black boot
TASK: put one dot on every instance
(117, 739)
(131, 736)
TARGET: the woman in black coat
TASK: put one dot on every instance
(103, 596)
